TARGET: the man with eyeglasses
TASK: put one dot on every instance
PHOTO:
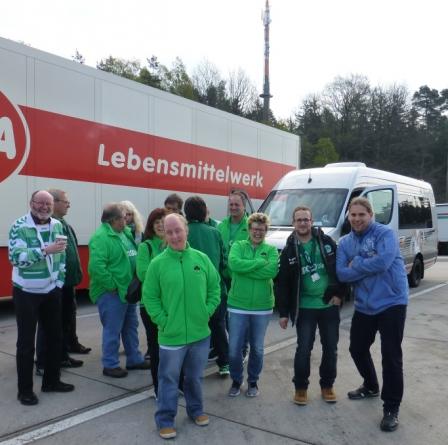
(38, 260)
(73, 276)
(309, 293)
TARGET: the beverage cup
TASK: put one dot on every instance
(60, 239)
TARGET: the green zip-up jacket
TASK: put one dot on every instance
(180, 293)
(109, 265)
(147, 251)
(33, 271)
(241, 234)
(73, 270)
(207, 239)
(252, 273)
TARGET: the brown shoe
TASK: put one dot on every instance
(301, 397)
(329, 395)
(167, 433)
(202, 420)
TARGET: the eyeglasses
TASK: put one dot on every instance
(63, 200)
(43, 203)
(302, 220)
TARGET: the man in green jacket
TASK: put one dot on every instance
(181, 292)
(112, 261)
(234, 227)
(73, 276)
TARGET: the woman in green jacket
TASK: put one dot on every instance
(253, 264)
(153, 244)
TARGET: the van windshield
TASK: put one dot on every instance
(326, 205)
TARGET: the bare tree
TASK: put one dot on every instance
(241, 92)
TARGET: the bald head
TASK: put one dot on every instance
(41, 205)
(176, 231)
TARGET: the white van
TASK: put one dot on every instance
(442, 223)
(405, 204)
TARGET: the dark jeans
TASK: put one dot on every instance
(390, 324)
(69, 337)
(219, 338)
(68, 319)
(152, 339)
(328, 322)
(31, 308)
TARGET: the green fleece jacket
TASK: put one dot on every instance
(241, 234)
(207, 239)
(252, 274)
(109, 265)
(147, 251)
(180, 293)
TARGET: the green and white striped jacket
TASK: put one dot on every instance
(32, 271)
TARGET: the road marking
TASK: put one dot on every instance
(49, 430)
(430, 289)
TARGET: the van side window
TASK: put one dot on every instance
(414, 212)
(381, 201)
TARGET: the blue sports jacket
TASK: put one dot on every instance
(371, 261)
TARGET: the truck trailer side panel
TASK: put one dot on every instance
(103, 138)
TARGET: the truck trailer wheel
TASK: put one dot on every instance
(416, 273)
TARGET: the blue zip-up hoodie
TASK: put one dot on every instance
(377, 270)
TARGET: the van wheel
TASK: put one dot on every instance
(416, 273)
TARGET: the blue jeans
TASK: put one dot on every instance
(118, 319)
(242, 326)
(192, 359)
(328, 322)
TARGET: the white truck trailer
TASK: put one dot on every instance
(103, 138)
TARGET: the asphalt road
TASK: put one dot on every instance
(121, 412)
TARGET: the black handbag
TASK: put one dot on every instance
(134, 293)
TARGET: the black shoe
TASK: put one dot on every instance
(390, 421)
(79, 349)
(39, 371)
(143, 365)
(71, 363)
(58, 387)
(117, 373)
(28, 399)
(362, 393)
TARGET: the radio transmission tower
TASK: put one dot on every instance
(266, 95)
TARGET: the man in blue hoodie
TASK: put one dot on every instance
(369, 259)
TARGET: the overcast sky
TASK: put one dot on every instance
(312, 42)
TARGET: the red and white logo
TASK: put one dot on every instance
(14, 138)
